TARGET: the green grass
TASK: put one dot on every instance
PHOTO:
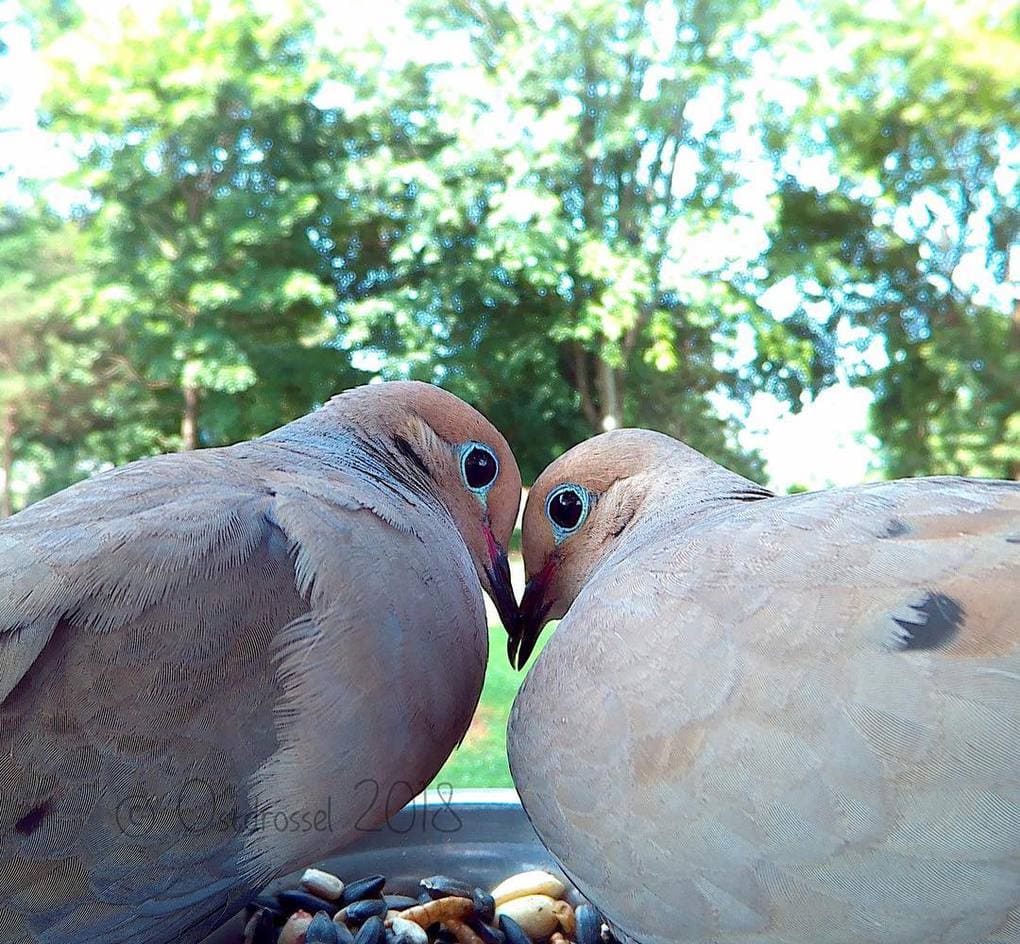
(481, 760)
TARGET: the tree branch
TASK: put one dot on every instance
(582, 384)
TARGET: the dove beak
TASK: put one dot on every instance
(532, 617)
(500, 588)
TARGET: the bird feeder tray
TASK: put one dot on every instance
(483, 836)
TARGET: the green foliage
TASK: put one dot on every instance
(911, 248)
(49, 353)
(208, 166)
(553, 240)
(573, 213)
(481, 759)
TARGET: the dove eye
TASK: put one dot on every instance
(478, 466)
(567, 507)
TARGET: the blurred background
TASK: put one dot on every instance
(787, 232)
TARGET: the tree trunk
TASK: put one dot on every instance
(609, 399)
(583, 387)
(189, 420)
(6, 460)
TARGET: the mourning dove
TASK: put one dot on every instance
(219, 665)
(772, 719)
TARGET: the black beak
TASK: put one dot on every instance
(502, 591)
(531, 619)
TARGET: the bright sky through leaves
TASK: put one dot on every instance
(696, 224)
(834, 424)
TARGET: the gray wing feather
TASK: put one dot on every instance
(131, 602)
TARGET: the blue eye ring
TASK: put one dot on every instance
(567, 507)
(479, 467)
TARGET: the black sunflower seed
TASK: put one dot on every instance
(343, 934)
(321, 930)
(487, 933)
(485, 904)
(359, 911)
(512, 931)
(399, 902)
(294, 900)
(265, 902)
(372, 932)
(261, 928)
(369, 887)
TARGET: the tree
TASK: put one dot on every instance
(576, 215)
(211, 175)
(48, 350)
(911, 246)
(590, 149)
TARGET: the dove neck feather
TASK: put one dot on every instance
(687, 489)
(332, 441)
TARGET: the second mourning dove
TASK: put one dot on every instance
(217, 666)
(773, 720)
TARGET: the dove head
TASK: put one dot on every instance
(577, 511)
(447, 447)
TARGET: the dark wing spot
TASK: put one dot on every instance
(408, 451)
(939, 619)
(32, 820)
(394, 465)
(1013, 540)
(750, 494)
(895, 529)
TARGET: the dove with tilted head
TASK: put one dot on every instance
(218, 666)
(773, 719)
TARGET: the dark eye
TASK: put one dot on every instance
(480, 467)
(566, 508)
